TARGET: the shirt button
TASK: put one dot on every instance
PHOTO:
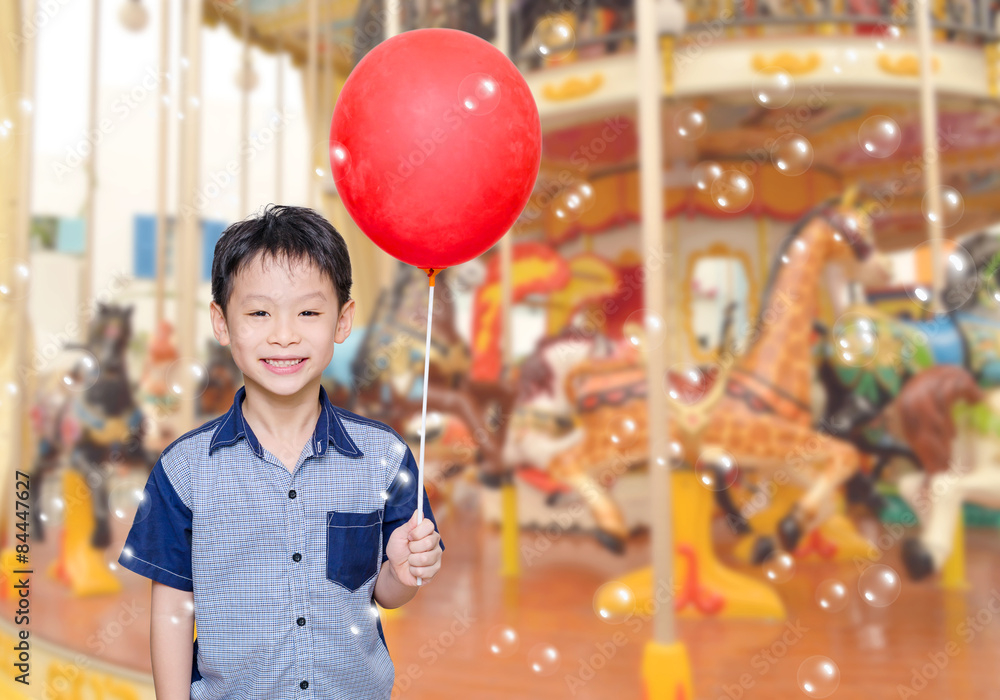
(304, 685)
(292, 494)
(301, 621)
(296, 557)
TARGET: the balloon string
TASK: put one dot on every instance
(423, 412)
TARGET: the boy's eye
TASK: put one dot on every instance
(258, 313)
(311, 313)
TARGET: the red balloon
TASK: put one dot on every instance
(435, 146)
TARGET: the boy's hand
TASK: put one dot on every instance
(414, 552)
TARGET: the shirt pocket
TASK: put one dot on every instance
(352, 547)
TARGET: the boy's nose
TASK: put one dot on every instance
(283, 332)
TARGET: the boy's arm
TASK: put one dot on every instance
(171, 639)
(409, 550)
(413, 552)
(390, 593)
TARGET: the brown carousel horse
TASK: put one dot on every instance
(388, 372)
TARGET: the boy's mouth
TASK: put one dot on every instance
(284, 366)
(284, 363)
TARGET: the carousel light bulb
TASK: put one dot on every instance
(133, 15)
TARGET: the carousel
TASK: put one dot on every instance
(715, 418)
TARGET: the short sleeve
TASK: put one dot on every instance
(159, 544)
(401, 501)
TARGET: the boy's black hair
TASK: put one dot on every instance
(282, 233)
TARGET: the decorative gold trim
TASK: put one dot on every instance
(993, 68)
(573, 88)
(715, 250)
(667, 48)
(787, 61)
(907, 65)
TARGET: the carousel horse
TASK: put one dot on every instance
(758, 410)
(859, 389)
(103, 423)
(388, 371)
(562, 436)
(967, 337)
(950, 477)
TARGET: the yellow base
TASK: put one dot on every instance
(839, 539)
(953, 571)
(64, 674)
(85, 567)
(8, 560)
(703, 586)
(510, 532)
(666, 672)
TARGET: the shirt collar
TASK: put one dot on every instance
(329, 428)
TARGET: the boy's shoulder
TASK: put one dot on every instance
(363, 429)
(198, 437)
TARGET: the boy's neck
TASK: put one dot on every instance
(283, 419)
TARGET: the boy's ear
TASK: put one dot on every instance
(345, 321)
(219, 326)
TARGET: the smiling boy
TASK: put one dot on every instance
(271, 526)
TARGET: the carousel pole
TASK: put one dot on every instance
(392, 23)
(87, 269)
(932, 168)
(665, 667)
(393, 26)
(245, 111)
(510, 564)
(312, 95)
(163, 129)
(279, 137)
(19, 249)
(953, 573)
(189, 218)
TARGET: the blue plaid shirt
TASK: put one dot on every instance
(283, 565)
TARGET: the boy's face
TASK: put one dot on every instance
(282, 322)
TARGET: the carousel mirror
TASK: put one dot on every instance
(719, 299)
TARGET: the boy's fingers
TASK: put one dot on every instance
(424, 572)
(425, 544)
(423, 559)
(422, 530)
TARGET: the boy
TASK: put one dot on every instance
(271, 526)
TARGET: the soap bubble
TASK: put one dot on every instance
(479, 93)
(879, 136)
(952, 206)
(773, 90)
(543, 659)
(553, 38)
(792, 154)
(614, 602)
(879, 585)
(831, 595)
(502, 641)
(819, 677)
(779, 567)
(717, 470)
(732, 191)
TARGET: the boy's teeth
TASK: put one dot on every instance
(282, 363)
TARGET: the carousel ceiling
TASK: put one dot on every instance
(877, 145)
